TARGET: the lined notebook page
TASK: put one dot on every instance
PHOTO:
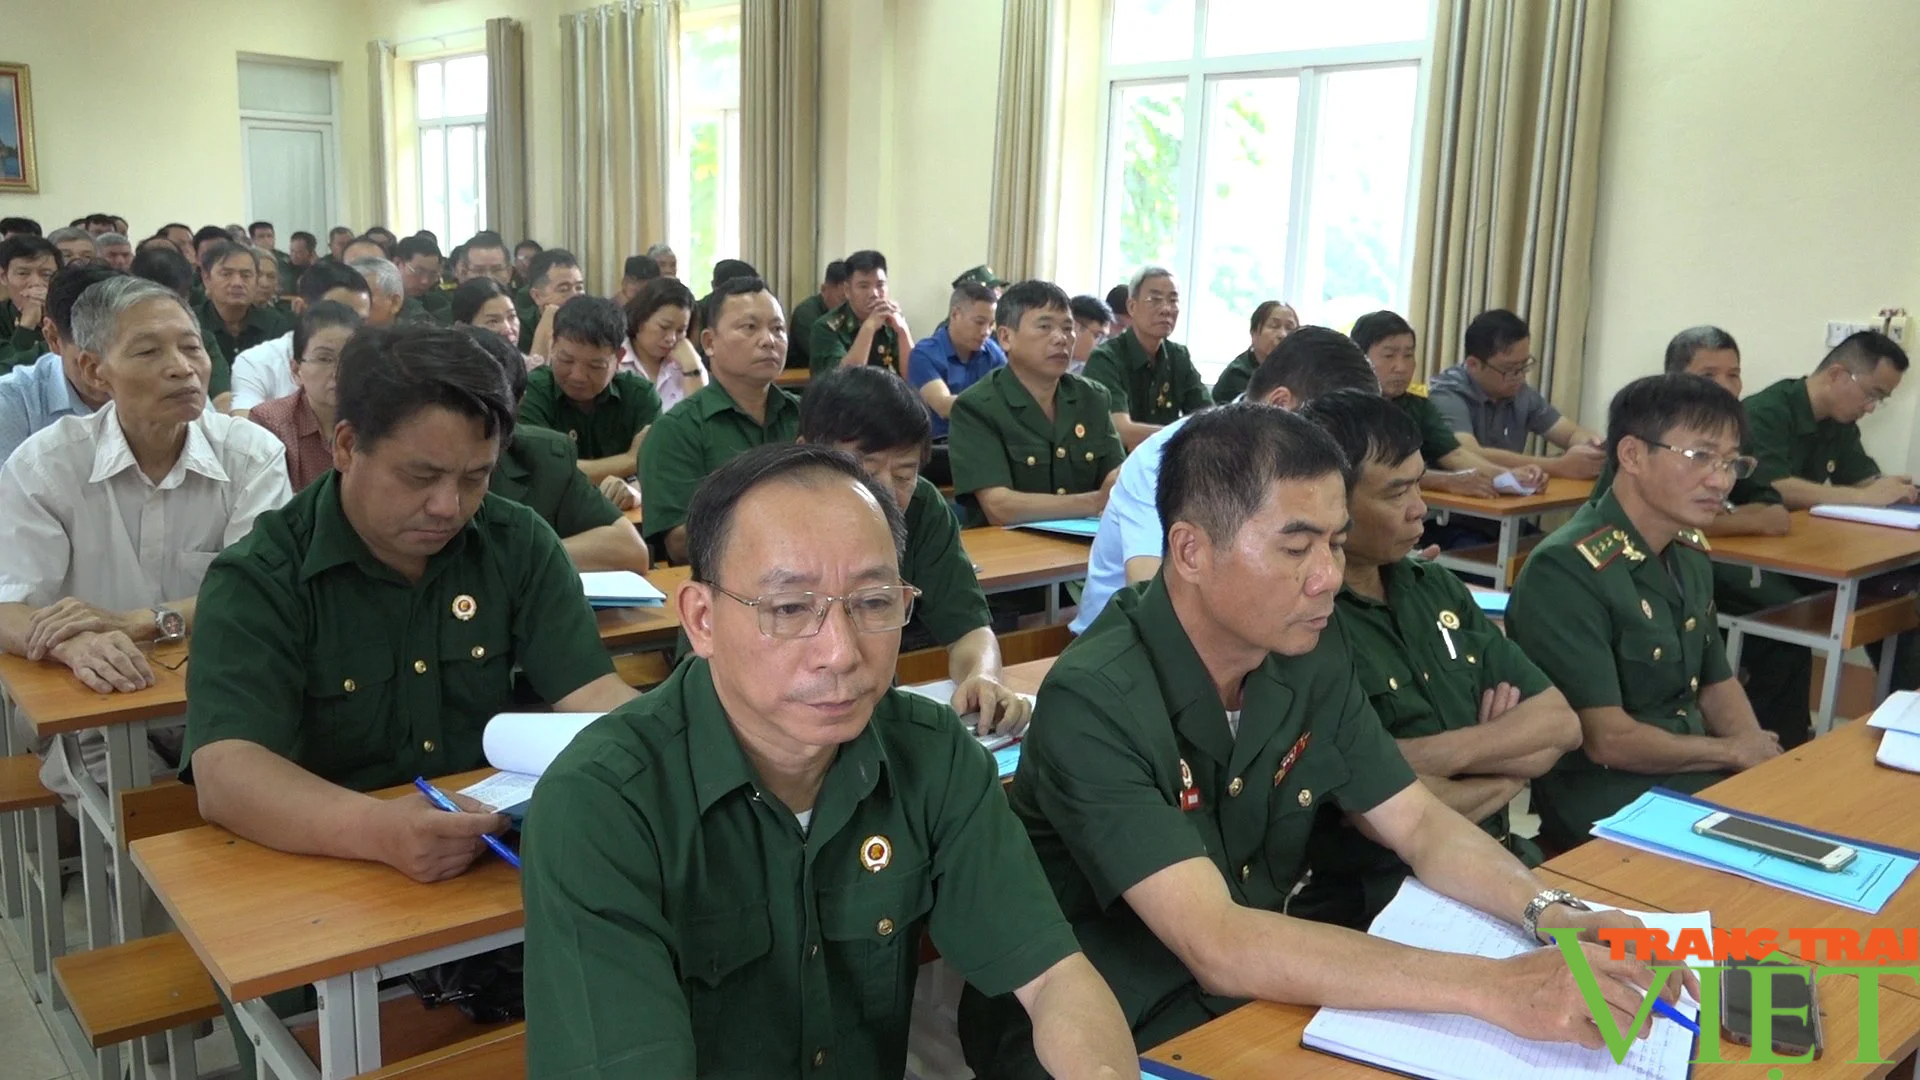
(1443, 1046)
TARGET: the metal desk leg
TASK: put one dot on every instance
(127, 884)
(1883, 679)
(1736, 638)
(94, 856)
(366, 1017)
(13, 831)
(1844, 600)
(53, 915)
(1053, 604)
(278, 1055)
(339, 1049)
(1504, 550)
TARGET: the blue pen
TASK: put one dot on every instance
(1660, 1006)
(435, 797)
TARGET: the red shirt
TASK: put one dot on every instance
(292, 421)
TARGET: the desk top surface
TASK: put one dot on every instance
(1824, 548)
(1561, 494)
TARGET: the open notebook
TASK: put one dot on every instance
(1445, 1046)
(521, 746)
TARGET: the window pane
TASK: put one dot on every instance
(1149, 30)
(1143, 178)
(480, 158)
(1235, 27)
(1246, 183)
(268, 86)
(1356, 229)
(710, 65)
(426, 91)
(463, 181)
(433, 181)
(703, 192)
(467, 86)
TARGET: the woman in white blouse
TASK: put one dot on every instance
(657, 345)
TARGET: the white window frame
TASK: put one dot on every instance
(1200, 74)
(444, 124)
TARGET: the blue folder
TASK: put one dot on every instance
(1083, 528)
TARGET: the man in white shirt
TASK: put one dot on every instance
(1127, 547)
(265, 372)
(113, 518)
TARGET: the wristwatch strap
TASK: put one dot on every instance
(1530, 918)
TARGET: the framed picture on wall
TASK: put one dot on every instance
(17, 172)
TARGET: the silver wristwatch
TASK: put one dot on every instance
(1530, 918)
(168, 625)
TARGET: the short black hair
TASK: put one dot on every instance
(725, 290)
(1696, 339)
(103, 219)
(390, 373)
(1218, 469)
(337, 230)
(1492, 331)
(728, 269)
(382, 230)
(640, 268)
(710, 515)
(413, 247)
(549, 260)
(471, 295)
(1034, 295)
(1312, 361)
(428, 235)
(1367, 428)
(321, 278)
(27, 246)
(1377, 326)
(866, 262)
(210, 232)
(837, 272)
(1649, 407)
(251, 229)
(521, 246)
(164, 265)
(1090, 309)
(172, 225)
(482, 239)
(657, 293)
(1861, 352)
(19, 226)
(512, 364)
(219, 252)
(1117, 298)
(868, 406)
(590, 320)
(319, 316)
(67, 285)
(312, 241)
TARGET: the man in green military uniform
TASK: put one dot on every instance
(732, 876)
(832, 294)
(419, 260)
(1806, 432)
(1030, 442)
(553, 278)
(745, 341)
(1474, 718)
(877, 418)
(582, 394)
(868, 328)
(286, 277)
(1617, 608)
(1189, 739)
(1151, 380)
(538, 469)
(228, 272)
(27, 264)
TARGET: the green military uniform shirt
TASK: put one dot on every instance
(529, 315)
(416, 313)
(540, 471)
(800, 338)
(681, 922)
(261, 325)
(628, 404)
(1614, 625)
(438, 304)
(1418, 687)
(704, 431)
(833, 335)
(1789, 442)
(1233, 381)
(1436, 438)
(21, 344)
(284, 270)
(1150, 390)
(998, 436)
(307, 645)
(1131, 728)
(952, 604)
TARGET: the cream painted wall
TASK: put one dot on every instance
(137, 104)
(1756, 159)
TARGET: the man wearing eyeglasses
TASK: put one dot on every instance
(1151, 380)
(1492, 408)
(1806, 431)
(1617, 608)
(732, 876)
(419, 261)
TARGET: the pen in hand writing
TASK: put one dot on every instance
(437, 798)
(1661, 1006)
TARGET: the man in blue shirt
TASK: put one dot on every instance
(33, 396)
(958, 354)
(1312, 361)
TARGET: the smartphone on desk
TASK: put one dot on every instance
(1775, 840)
(1792, 989)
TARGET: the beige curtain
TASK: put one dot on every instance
(1507, 182)
(617, 71)
(380, 130)
(506, 129)
(1020, 241)
(779, 119)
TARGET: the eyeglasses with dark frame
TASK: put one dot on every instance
(875, 609)
(1740, 466)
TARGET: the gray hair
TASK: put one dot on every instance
(1144, 275)
(261, 255)
(382, 276)
(71, 232)
(111, 239)
(658, 250)
(96, 315)
(1696, 339)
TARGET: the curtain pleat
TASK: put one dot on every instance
(506, 129)
(1020, 240)
(380, 109)
(779, 121)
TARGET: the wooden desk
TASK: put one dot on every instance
(1010, 559)
(1842, 553)
(1026, 678)
(1262, 1039)
(645, 627)
(792, 378)
(1509, 511)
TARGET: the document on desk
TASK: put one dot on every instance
(620, 588)
(1661, 822)
(1900, 712)
(521, 746)
(1082, 528)
(1448, 1046)
(942, 692)
(1898, 517)
(1899, 750)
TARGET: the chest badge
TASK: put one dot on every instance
(573, 436)
(464, 607)
(1079, 431)
(1189, 795)
(1306, 798)
(1831, 465)
(875, 853)
(1293, 755)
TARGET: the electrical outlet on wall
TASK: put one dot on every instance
(1838, 330)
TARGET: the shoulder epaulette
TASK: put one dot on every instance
(1605, 545)
(1693, 538)
(1418, 389)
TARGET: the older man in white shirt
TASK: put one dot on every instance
(112, 518)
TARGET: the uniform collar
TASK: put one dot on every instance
(1016, 394)
(720, 767)
(1459, 379)
(713, 399)
(511, 474)
(1137, 352)
(1393, 576)
(113, 455)
(336, 542)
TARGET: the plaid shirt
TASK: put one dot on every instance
(292, 422)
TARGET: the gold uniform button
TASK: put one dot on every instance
(1089, 455)
(1693, 683)
(1656, 652)
(1246, 871)
(1059, 451)
(1305, 797)
(1393, 683)
(1062, 491)
(419, 667)
(1236, 787)
(884, 927)
(1427, 675)
(349, 686)
(819, 1058)
(1031, 460)
(427, 746)
(1472, 659)
(1690, 622)
(479, 652)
